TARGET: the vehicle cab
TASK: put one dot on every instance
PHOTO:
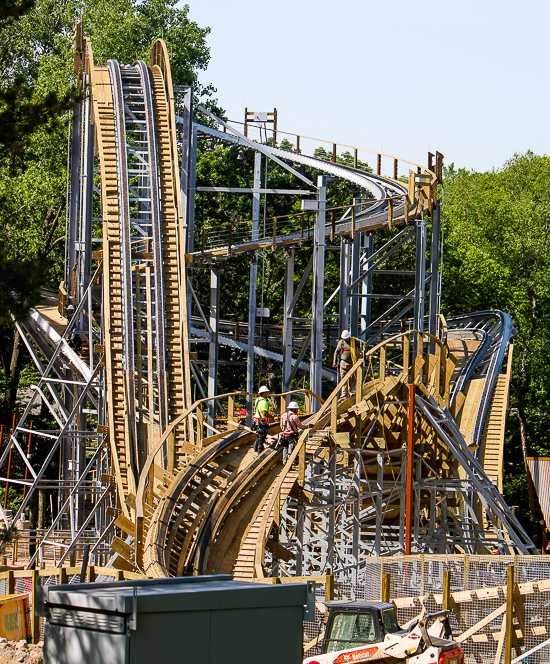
(364, 631)
(353, 624)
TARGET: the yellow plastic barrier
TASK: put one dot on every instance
(14, 617)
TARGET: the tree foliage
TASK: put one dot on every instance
(497, 257)
(36, 91)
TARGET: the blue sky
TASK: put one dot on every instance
(467, 78)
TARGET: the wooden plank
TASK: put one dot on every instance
(341, 439)
(123, 549)
(126, 525)
(481, 624)
(279, 550)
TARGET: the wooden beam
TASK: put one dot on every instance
(448, 603)
(509, 639)
(386, 587)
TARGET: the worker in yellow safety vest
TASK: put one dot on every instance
(261, 418)
(346, 355)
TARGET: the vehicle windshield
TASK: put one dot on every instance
(351, 630)
(389, 618)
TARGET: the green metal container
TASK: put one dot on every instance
(203, 620)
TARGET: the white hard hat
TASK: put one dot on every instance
(293, 406)
(346, 334)
(263, 388)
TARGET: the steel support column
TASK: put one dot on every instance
(344, 284)
(366, 287)
(74, 191)
(356, 528)
(253, 288)
(316, 369)
(354, 291)
(379, 501)
(300, 516)
(420, 278)
(187, 187)
(86, 199)
(287, 322)
(434, 273)
(213, 345)
(331, 510)
(186, 159)
(190, 242)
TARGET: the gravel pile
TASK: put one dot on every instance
(20, 652)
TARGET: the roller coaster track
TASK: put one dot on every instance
(219, 513)
(211, 513)
(190, 503)
(112, 282)
(389, 205)
(145, 368)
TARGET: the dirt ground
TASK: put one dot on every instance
(20, 652)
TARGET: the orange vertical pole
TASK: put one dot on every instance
(26, 467)
(410, 454)
(9, 465)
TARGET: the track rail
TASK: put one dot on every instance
(145, 362)
(385, 193)
(174, 291)
(113, 285)
(495, 329)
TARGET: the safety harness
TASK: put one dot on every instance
(288, 433)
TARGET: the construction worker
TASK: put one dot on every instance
(75, 341)
(290, 426)
(261, 418)
(346, 355)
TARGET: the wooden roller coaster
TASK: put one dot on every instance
(411, 461)
(222, 513)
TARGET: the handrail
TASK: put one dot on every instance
(343, 145)
(302, 213)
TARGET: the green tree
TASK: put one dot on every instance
(497, 257)
(36, 90)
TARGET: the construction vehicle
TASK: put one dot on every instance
(369, 632)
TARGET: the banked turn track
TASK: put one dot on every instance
(222, 513)
(194, 506)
